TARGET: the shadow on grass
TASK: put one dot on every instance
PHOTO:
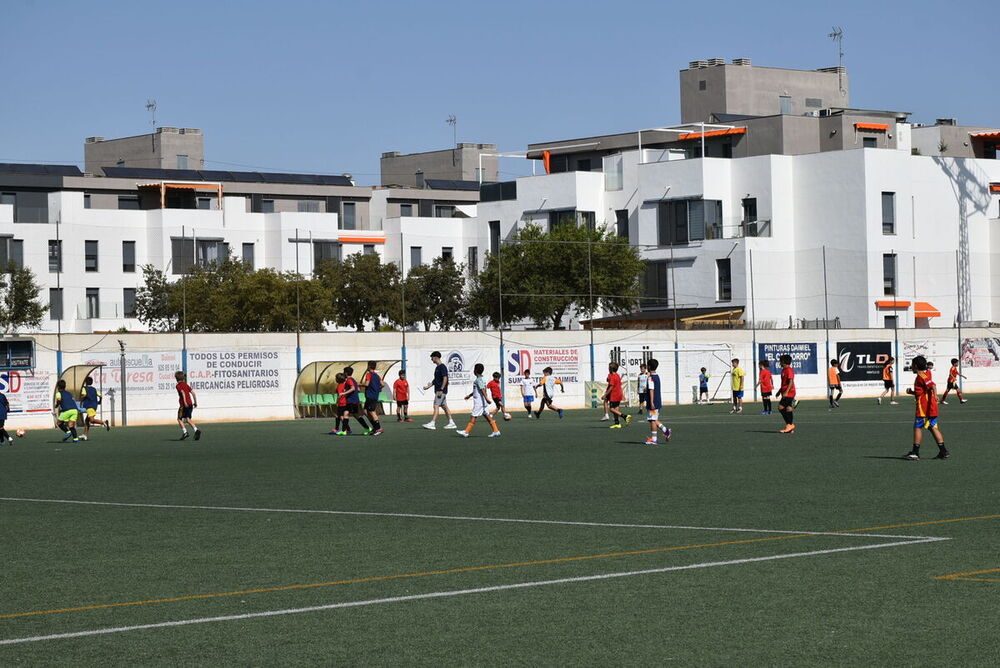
(898, 459)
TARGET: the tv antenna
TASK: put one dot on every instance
(453, 122)
(151, 108)
(838, 37)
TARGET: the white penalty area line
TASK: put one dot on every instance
(456, 592)
(461, 518)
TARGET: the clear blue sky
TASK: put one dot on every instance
(328, 86)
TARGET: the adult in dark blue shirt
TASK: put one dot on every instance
(440, 384)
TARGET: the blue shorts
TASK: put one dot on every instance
(528, 398)
(738, 394)
(925, 423)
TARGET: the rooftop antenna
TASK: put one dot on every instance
(453, 122)
(838, 37)
(151, 108)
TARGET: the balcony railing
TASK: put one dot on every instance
(756, 228)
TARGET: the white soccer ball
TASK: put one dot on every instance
(20, 433)
(507, 416)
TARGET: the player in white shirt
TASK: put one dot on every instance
(527, 391)
(479, 404)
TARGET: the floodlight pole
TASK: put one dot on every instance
(503, 374)
(826, 309)
(184, 352)
(590, 289)
(958, 311)
(753, 320)
(402, 297)
(677, 361)
(62, 309)
(298, 308)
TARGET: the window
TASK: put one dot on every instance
(181, 255)
(182, 162)
(55, 255)
(621, 223)
(814, 102)
(448, 254)
(444, 211)
(405, 210)
(418, 178)
(891, 321)
(749, 221)
(128, 202)
(29, 207)
(494, 236)
(702, 84)
(583, 165)
(326, 251)
(128, 256)
(247, 255)
(310, 206)
(9, 198)
(889, 274)
(869, 142)
(55, 304)
(473, 260)
(682, 221)
(613, 175)
(350, 221)
(86, 200)
(212, 251)
(369, 249)
(11, 253)
(888, 213)
(93, 303)
(560, 218)
(723, 270)
(128, 302)
(90, 256)
(203, 203)
(784, 104)
(415, 256)
(267, 206)
(654, 290)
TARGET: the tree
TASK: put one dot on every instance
(20, 306)
(152, 301)
(361, 289)
(435, 294)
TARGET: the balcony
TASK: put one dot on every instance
(755, 228)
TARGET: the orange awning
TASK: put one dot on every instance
(873, 127)
(995, 134)
(360, 240)
(183, 186)
(925, 310)
(888, 303)
(713, 133)
(995, 187)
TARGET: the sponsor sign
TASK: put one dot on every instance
(981, 352)
(803, 356)
(937, 351)
(27, 393)
(145, 373)
(234, 370)
(863, 360)
(565, 363)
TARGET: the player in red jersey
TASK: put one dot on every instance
(766, 384)
(188, 402)
(495, 393)
(401, 395)
(925, 393)
(614, 395)
(953, 375)
(787, 394)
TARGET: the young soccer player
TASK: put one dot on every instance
(953, 376)
(614, 396)
(496, 394)
(925, 393)
(703, 387)
(479, 404)
(527, 391)
(548, 386)
(890, 386)
(401, 395)
(188, 402)
(607, 414)
(352, 404)
(787, 394)
(5, 438)
(66, 412)
(440, 384)
(642, 388)
(766, 383)
(372, 383)
(738, 376)
(654, 404)
(341, 405)
(833, 383)
(90, 399)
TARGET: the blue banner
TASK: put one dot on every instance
(803, 356)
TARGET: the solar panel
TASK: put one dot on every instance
(224, 176)
(451, 184)
(40, 170)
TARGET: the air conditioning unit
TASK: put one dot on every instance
(813, 112)
(824, 112)
(713, 62)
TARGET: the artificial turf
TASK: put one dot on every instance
(841, 472)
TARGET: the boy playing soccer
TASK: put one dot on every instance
(738, 376)
(66, 412)
(188, 402)
(953, 376)
(654, 404)
(548, 386)
(614, 395)
(766, 383)
(90, 399)
(925, 394)
(372, 382)
(642, 388)
(341, 405)
(703, 386)
(496, 394)
(401, 394)
(890, 386)
(527, 391)
(787, 394)
(479, 404)
(352, 403)
(833, 381)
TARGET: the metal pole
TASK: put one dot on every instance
(702, 141)
(184, 352)
(958, 310)
(826, 309)
(402, 297)
(121, 344)
(62, 307)
(753, 323)
(895, 312)
(298, 308)
(677, 361)
(503, 374)
(590, 288)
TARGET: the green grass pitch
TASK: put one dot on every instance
(642, 555)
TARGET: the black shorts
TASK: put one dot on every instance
(786, 402)
(703, 390)
(546, 401)
(952, 386)
(350, 409)
(404, 402)
(614, 404)
(371, 404)
(888, 384)
(184, 412)
(836, 387)
(498, 402)
(765, 395)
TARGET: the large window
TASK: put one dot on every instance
(888, 213)
(889, 273)
(247, 255)
(621, 223)
(267, 206)
(128, 256)
(55, 255)
(613, 173)
(308, 206)
(128, 302)
(55, 303)
(325, 251)
(182, 161)
(350, 221)
(11, 253)
(93, 303)
(29, 206)
(448, 254)
(181, 255)
(444, 211)
(654, 286)
(724, 275)
(128, 202)
(212, 251)
(494, 236)
(416, 256)
(473, 260)
(90, 256)
(683, 221)
(405, 210)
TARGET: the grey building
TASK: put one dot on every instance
(947, 138)
(462, 163)
(167, 148)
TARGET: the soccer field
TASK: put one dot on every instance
(560, 543)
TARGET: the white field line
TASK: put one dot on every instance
(461, 518)
(456, 592)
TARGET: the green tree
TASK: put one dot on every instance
(20, 306)
(361, 289)
(153, 301)
(435, 294)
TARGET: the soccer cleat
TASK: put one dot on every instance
(462, 433)
(399, 419)
(763, 412)
(368, 432)
(342, 433)
(732, 412)
(494, 434)
(836, 404)
(67, 436)
(377, 431)
(84, 438)
(944, 402)
(184, 435)
(963, 401)
(197, 434)
(560, 414)
(333, 432)
(911, 456)
(429, 425)
(628, 419)
(650, 441)
(879, 400)
(76, 440)
(942, 454)
(893, 403)
(408, 420)
(451, 425)
(667, 432)
(605, 418)
(530, 416)
(615, 426)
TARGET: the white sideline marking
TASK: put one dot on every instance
(456, 592)
(447, 517)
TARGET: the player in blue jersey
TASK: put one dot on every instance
(372, 383)
(655, 403)
(90, 399)
(66, 412)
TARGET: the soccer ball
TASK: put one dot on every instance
(20, 433)
(506, 416)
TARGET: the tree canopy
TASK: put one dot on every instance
(20, 307)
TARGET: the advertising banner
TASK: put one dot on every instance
(938, 351)
(461, 363)
(145, 373)
(981, 352)
(803, 356)
(27, 393)
(234, 370)
(863, 360)
(565, 363)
